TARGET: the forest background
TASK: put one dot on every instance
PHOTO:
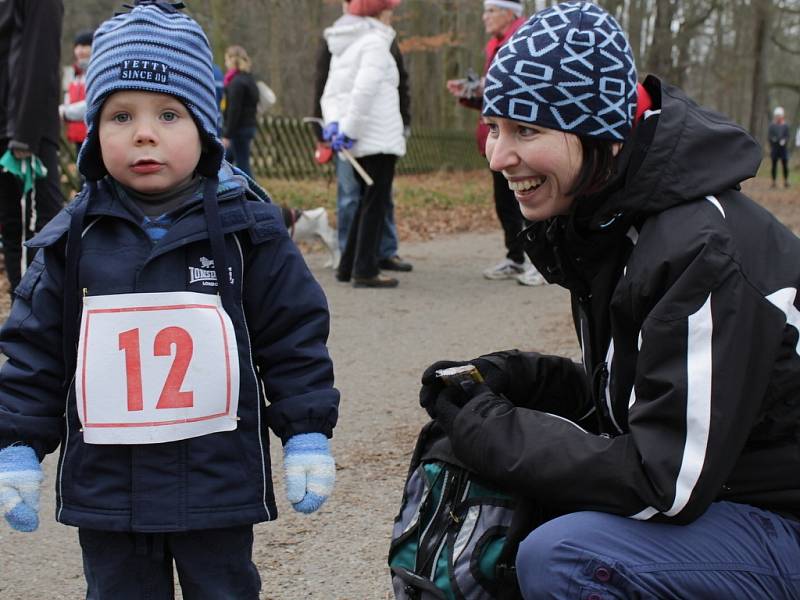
(741, 57)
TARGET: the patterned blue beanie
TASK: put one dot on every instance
(152, 48)
(570, 68)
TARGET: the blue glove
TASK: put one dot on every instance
(330, 130)
(310, 471)
(341, 142)
(20, 478)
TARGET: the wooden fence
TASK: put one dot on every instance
(283, 148)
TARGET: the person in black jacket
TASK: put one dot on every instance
(778, 134)
(241, 102)
(30, 92)
(667, 464)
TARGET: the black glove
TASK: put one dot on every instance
(432, 386)
(447, 404)
(452, 399)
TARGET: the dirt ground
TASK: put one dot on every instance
(381, 340)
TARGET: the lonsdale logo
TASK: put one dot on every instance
(205, 273)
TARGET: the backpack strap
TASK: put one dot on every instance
(527, 516)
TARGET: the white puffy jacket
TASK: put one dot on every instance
(361, 90)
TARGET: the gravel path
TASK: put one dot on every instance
(381, 341)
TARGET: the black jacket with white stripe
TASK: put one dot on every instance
(684, 295)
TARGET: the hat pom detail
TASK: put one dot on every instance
(167, 6)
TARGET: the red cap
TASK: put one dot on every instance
(370, 8)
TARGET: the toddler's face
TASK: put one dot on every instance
(148, 140)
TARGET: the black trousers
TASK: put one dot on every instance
(779, 153)
(42, 205)
(360, 256)
(511, 219)
(212, 564)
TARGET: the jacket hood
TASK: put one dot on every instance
(348, 28)
(687, 152)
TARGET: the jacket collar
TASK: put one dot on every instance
(232, 190)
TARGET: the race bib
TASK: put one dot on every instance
(155, 368)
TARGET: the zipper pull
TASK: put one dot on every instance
(599, 381)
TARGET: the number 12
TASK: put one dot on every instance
(171, 395)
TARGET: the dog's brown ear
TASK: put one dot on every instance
(289, 216)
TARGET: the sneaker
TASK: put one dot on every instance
(531, 277)
(505, 269)
(379, 281)
(394, 263)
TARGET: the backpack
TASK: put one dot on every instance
(455, 537)
(266, 98)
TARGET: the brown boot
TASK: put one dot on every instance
(379, 281)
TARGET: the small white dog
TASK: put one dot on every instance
(308, 225)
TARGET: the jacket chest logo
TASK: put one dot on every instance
(205, 275)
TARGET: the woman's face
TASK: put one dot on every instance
(540, 164)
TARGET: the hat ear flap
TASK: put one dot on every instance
(90, 158)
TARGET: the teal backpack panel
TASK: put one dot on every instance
(455, 537)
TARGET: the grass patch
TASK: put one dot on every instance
(434, 190)
(425, 205)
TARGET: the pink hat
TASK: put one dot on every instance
(370, 8)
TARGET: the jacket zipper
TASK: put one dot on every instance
(597, 371)
(599, 381)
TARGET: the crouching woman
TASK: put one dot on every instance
(670, 459)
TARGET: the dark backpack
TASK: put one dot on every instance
(455, 537)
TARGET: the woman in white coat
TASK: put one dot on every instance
(361, 107)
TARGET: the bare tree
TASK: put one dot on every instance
(759, 107)
(740, 56)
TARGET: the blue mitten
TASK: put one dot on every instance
(310, 471)
(20, 478)
(330, 130)
(341, 142)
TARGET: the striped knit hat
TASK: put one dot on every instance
(152, 48)
(570, 68)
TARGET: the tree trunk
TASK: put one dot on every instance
(659, 57)
(759, 106)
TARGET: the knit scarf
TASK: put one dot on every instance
(229, 75)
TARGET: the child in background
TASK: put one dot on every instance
(74, 84)
(184, 297)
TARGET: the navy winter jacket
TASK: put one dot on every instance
(281, 323)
